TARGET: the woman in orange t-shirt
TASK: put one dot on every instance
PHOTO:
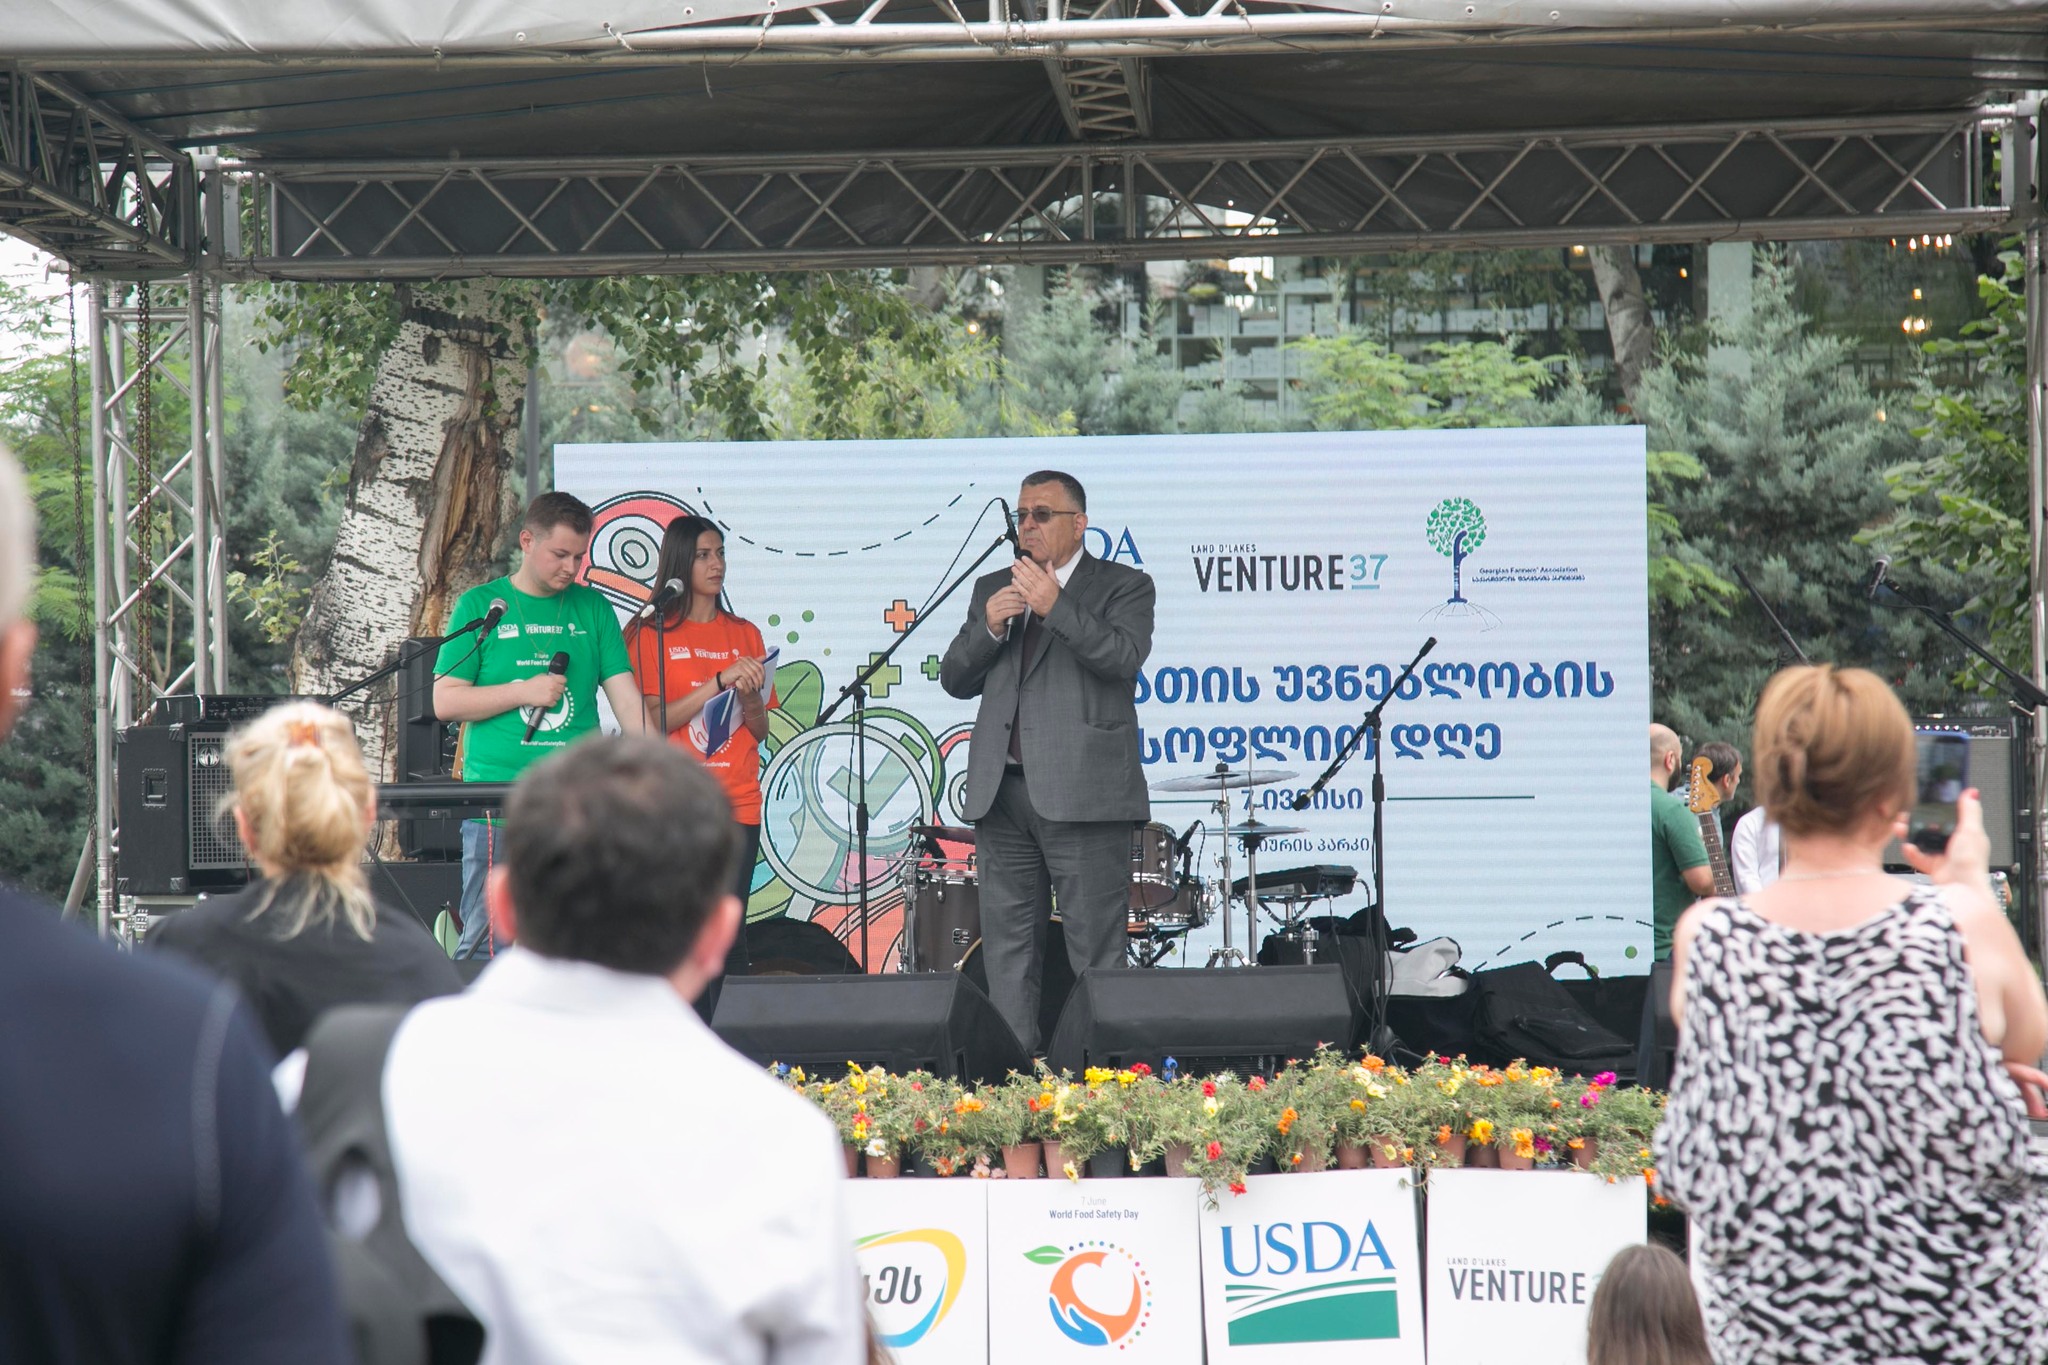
(709, 649)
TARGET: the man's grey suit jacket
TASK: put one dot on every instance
(1080, 722)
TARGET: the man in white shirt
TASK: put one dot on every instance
(640, 1192)
(1754, 851)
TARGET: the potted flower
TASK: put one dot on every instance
(1232, 1133)
(1445, 1090)
(1365, 1119)
(1618, 1125)
(1163, 1120)
(1308, 1098)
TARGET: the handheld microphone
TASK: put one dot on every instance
(1010, 529)
(670, 591)
(559, 665)
(1877, 578)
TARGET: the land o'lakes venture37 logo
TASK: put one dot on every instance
(1098, 1293)
(913, 1287)
(1287, 1283)
(1456, 527)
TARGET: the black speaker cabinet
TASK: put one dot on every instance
(931, 1021)
(169, 781)
(1239, 1018)
(426, 752)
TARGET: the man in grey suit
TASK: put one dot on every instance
(1052, 646)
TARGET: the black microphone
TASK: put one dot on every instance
(1010, 529)
(482, 623)
(559, 665)
(1877, 579)
(670, 591)
(1180, 845)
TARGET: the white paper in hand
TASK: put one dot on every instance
(721, 716)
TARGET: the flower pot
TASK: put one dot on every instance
(1483, 1154)
(1313, 1158)
(852, 1160)
(1106, 1164)
(1583, 1155)
(1385, 1153)
(1454, 1150)
(1177, 1154)
(1020, 1161)
(1055, 1160)
(884, 1167)
(1352, 1157)
(1510, 1160)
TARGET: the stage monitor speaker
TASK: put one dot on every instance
(1224, 1018)
(930, 1021)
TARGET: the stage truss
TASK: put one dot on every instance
(124, 207)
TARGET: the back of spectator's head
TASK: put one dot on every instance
(1645, 1313)
(17, 580)
(1833, 750)
(304, 802)
(617, 851)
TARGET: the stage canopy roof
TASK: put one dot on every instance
(429, 137)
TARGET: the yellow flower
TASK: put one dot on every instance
(1449, 1087)
(1209, 1105)
(1378, 1092)
(857, 1083)
(1097, 1075)
(1525, 1142)
(1126, 1078)
(1481, 1130)
(1359, 1105)
(796, 1073)
(1516, 1073)
(1541, 1073)
(1067, 1169)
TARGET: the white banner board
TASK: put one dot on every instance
(1093, 1270)
(1514, 1257)
(1296, 573)
(922, 1246)
(1314, 1269)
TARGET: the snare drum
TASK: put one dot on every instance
(945, 917)
(1191, 907)
(1152, 878)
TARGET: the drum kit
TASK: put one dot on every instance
(1168, 899)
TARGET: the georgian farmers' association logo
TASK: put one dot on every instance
(1099, 1294)
(1287, 1283)
(1456, 527)
(913, 1279)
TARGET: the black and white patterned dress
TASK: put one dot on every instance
(1856, 1163)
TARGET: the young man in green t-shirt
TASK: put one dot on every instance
(514, 710)
(1679, 875)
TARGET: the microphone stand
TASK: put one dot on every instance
(2025, 695)
(857, 692)
(1783, 634)
(1371, 722)
(661, 670)
(399, 661)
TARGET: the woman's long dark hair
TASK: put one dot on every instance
(678, 559)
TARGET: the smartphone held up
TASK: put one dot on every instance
(1942, 775)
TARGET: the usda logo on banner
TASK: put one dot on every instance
(1313, 1268)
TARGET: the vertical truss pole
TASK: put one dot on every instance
(2037, 531)
(203, 519)
(109, 701)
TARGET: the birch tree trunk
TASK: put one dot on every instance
(1629, 327)
(430, 499)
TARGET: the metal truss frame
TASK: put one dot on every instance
(82, 183)
(164, 492)
(1132, 200)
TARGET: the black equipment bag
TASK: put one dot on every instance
(399, 1311)
(1522, 1011)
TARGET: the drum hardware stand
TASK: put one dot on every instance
(857, 690)
(1371, 722)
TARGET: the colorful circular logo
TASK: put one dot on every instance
(1089, 1299)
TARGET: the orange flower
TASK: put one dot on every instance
(1443, 1135)
(1577, 1144)
(1359, 1105)
(1557, 1104)
(969, 1105)
(1296, 1161)
(1287, 1118)
(1374, 1064)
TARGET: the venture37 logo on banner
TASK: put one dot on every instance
(1287, 1283)
(910, 1290)
(1087, 1293)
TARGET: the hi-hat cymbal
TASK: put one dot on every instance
(1258, 829)
(1223, 778)
(952, 834)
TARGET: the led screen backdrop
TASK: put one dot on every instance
(1296, 573)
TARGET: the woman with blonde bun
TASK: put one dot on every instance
(306, 936)
(1847, 1127)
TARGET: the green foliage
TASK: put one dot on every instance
(1352, 382)
(1962, 501)
(275, 593)
(1790, 456)
(1067, 372)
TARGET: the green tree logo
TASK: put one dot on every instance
(1456, 528)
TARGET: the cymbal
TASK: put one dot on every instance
(1223, 778)
(1258, 829)
(952, 834)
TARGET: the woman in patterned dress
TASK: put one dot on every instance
(1846, 1127)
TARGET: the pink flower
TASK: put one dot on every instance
(1542, 1144)
(1257, 1083)
(1604, 1078)
(1589, 1099)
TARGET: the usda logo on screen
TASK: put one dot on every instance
(1288, 1283)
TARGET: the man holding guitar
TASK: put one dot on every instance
(1715, 773)
(1680, 874)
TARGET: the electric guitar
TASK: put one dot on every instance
(1701, 797)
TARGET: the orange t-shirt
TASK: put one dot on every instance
(696, 651)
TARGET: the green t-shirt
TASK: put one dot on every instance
(1675, 845)
(578, 621)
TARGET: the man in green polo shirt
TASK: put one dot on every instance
(1679, 875)
(514, 710)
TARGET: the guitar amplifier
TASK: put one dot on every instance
(1998, 770)
(169, 783)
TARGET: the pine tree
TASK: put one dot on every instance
(1794, 458)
